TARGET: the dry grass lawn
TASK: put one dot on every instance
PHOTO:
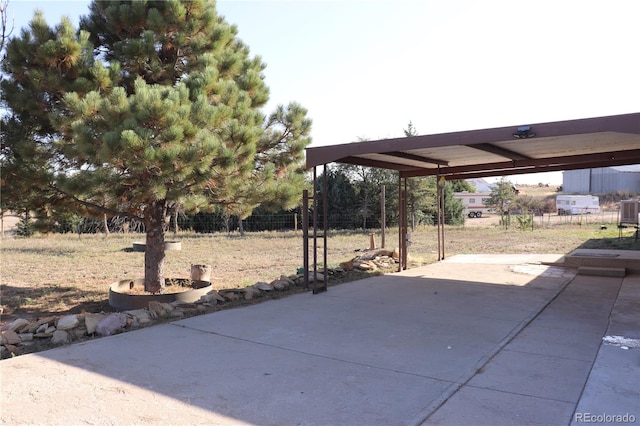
(62, 274)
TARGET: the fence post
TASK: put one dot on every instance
(383, 224)
(305, 236)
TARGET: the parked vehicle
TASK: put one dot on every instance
(474, 203)
(577, 204)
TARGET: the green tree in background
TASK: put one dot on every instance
(422, 195)
(421, 192)
(341, 196)
(151, 108)
(39, 67)
(367, 184)
(502, 197)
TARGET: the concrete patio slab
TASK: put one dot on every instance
(485, 407)
(450, 343)
(542, 376)
(613, 387)
(556, 342)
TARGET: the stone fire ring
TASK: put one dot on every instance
(120, 300)
(168, 245)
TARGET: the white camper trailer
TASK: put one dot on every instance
(474, 203)
(577, 204)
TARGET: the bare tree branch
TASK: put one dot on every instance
(96, 207)
(5, 31)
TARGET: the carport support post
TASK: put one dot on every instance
(383, 215)
(325, 227)
(315, 229)
(402, 223)
(305, 236)
(440, 212)
(405, 247)
(316, 287)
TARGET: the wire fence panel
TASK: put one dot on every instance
(292, 221)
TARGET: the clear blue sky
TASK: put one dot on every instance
(365, 68)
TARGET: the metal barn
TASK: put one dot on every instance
(602, 180)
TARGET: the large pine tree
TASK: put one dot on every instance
(151, 107)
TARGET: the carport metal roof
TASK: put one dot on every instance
(543, 147)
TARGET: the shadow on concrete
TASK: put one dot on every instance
(405, 348)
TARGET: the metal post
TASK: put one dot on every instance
(400, 216)
(325, 224)
(443, 219)
(383, 214)
(402, 223)
(438, 216)
(405, 223)
(440, 213)
(305, 236)
(315, 228)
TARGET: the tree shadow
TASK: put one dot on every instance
(49, 251)
(22, 302)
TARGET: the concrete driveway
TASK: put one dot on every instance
(472, 340)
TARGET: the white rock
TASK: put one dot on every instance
(210, 298)
(251, 291)
(231, 295)
(157, 308)
(365, 266)
(68, 322)
(287, 279)
(143, 316)
(60, 337)
(111, 323)
(263, 286)
(91, 321)
(215, 294)
(10, 337)
(319, 277)
(79, 331)
(279, 285)
(25, 337)
(18, 325)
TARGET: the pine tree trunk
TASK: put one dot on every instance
(175, 223)
(240, 226)
(154, 252)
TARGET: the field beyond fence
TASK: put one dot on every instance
(65, 273)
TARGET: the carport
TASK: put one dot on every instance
(531, 148)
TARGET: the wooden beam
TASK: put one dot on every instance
(487, 147)
(413, 157)
(570, 162)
